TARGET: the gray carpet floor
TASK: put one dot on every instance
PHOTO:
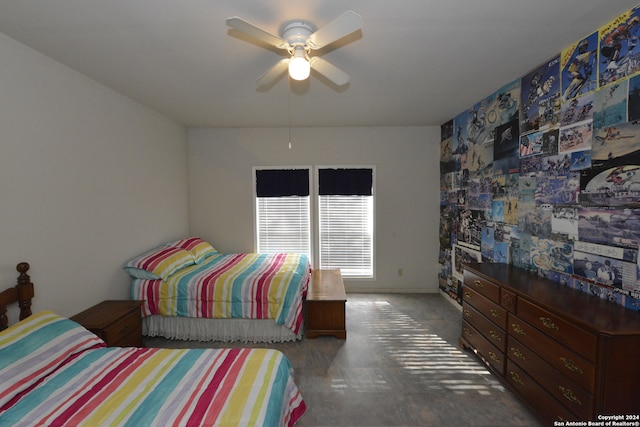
(399, 366)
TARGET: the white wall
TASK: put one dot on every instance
(407, 190)
(88, 179)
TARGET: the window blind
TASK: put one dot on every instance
(283, 225)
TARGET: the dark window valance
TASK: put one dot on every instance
(345, 182)
(282, 182)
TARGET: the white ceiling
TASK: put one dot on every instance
(415, 62)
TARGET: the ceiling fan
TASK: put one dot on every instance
(299, 38)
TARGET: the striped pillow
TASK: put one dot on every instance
(161, 262)
(33, 348)
(199, 248)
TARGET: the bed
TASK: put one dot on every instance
(54, 372)
(193, 292)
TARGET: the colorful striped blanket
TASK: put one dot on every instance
(250, 286)
(54, 372)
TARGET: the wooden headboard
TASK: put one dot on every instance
(22, 293)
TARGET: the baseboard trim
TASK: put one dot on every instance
(356, 290)
(451, 300)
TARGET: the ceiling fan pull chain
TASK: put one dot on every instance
(289, 107)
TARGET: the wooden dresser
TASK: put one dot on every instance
(118, 323)
(567, 354)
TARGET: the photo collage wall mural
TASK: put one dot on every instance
(544, 173)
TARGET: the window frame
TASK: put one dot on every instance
(255, 203)
(316, 215)
(314, 211)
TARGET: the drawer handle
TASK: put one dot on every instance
(517, 353)
(467, 313)
(494, 357)
(466, 332)
(496, 314)
(568, 394)
(467, 295)
(548, 323)
(570, 365)
(495, 335)
(518, 329)
(516, 378)
(508, 299)
(124, 329)
(478, 283)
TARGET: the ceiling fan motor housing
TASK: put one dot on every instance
(297, 33)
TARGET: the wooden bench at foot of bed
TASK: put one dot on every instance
(325, 305)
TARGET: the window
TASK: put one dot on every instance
(345, 217)
(282, 211)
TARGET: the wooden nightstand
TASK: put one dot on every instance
(118, 323)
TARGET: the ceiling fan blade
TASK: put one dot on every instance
(340, 27)
(329, 70)
(273, 73)
(254, 31)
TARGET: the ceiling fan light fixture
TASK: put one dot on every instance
(299, 67)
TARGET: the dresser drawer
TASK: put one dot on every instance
(564, 360)
(483, 286)
(490, 353)
(547, 408)
(575, 398)
(490, 309)
(119, 333)
(508, 300)
(574, 337)
(495, 335)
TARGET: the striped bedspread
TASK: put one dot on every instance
(76, 381)
(250, 286)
